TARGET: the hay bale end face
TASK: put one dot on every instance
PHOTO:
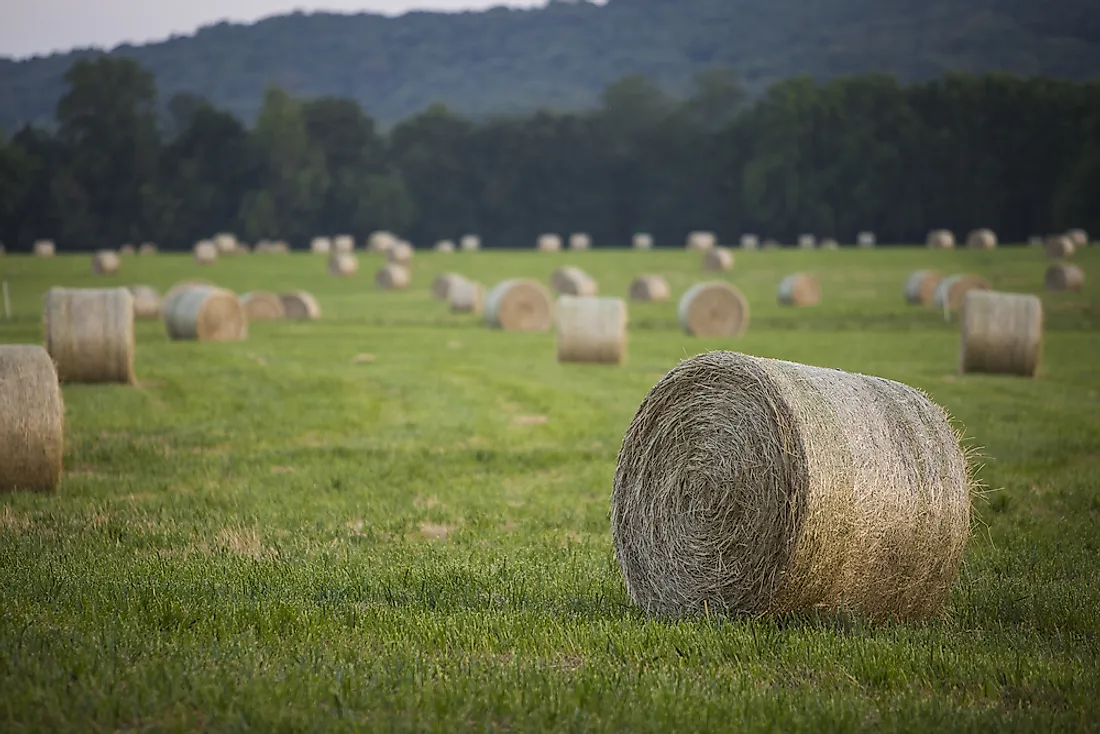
(591, 330)
(1002, 333)
(799, 289)
(343, 264)
(701, 241)
(105, 262)
(90, 334)
(711, 310)
(643, 241)
(262, 306)
(206, 252)
(548, 243)
(838, 493)
(982, 239)
(32, 417)
(45, 248)
(1064, 277)
(580, 241)
(940, 239)
(519, 305)
(572, 281)
(718, 259)
(206, 313)
(1059, 246)
(300, 306)
(921, 286)
(466, 296)
(146, 302)
(443, 283)
(650, 288)
(951, 292)
(1078, 237)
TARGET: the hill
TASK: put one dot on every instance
(560, 56)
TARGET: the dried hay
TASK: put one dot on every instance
(1078, 237)
(1059, 246)
(206, 313)
(1002, 333)
(392, 277)
(799, 289)
(470, 243)
(548, 243)
(147, 248)
(921, 286)
(982, 239)
(951, 292)
(127, 250)
(650, 288)
(32, 417)
(445, 246)
(262, 306)
(206, 252)
(90, 334)
(177, 290)
(146, 302)
(466, 296)
(715, 309)
(866, 239)
(718, 259)
(750, 242)
(591, 330)
(442, 285)
(519, 305)
(400, 254)
(300, 306)
(701, 241)
(770, 244)
(45, 248)
(580, 241)
(381, 241)
(105, 262)
(830, 244)
(806, 242)
(343, 243)
(572, 281)
(343, 264)
(940, 239)
(226, 243)
(643, 241)
(754, 486)
(1064, 277)
(320, 246)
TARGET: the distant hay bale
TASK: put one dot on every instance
(718, 258)
(921, 286)
(799, 289)
(343, 264)
(442, 284)
(940, 239)
(400, 254)
(90, 334)
(982, 239)
(1064, 277)
(177, 289)
(1002, 333)
(466, 296)
(381, 241)
(300, 306)
(643, 241)
(548, 243)
(45, 248)
(1078, 237)
(262, 306)
(750, 242)
(519, 305)
(701, 241)
(146, 302)
(807, 242)
(147, 248)
(206, 252)
(951, 292)
(206, 313)
(343, 243)
(320, 246)
(105, 262)
(1035, 241)
(830, 244)
(445, 246)
(226, 243)
(280, 247)
(1059, 246)
(770, 244)
(715, 309)
(470, 243)
(32, 418)
(127, 250)
(755, 486)
(580, 241)
(650, 288)
(392, 277)
(242, 248)
(572, 281)
(591, 330)
(866, 239)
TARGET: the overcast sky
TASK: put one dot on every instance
(30, 27)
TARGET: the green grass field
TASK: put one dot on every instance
(271, 535)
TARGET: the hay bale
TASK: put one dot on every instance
(226, 243)
(1059, 246)
(1035, 241)
(920, 287)
(320, 246)
(755, 486)
(548, 243)
(830, 244)
(714, 310)
(799, 289)
(519, 305)
(177, 289)
(147, 248)
(771, 244)
(982, 239)
(866, 239)
(650, 288)
(470, 243)
(105, 262)
(445, 246)
(750, 242)
(381, 241)
(392, 277)
(32, 417)
(90, 333)
(951, 292)
(643, 241)
(400, 254)
(206, 313)
(343, 264)
(1078, 237)
(127, 250)
(343, 243)
(806, 242)
(45, 248)
(280, 247)
(718, 258)
(572, 281)
(146, 302)
(1002, 333)
(1064, 277)
(442, 285)
(940, 239)
(701, 241)
(262, 306)
(466, 296)
(300, 306)
(591, 330)
(580, 241)
(206, 252)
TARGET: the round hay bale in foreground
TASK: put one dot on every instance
(32, 417)
(400, 254)
(206, 252)
(982, 239)
(1078, 237)
(643, 241)
(591, 330)
(147, 248)
(711, 310)
(392, 277)
(178, 289)
(1064, 277)
(262, 306)
(701, 241)
(572, 281)
(519, 305)
(105, 262)
(206, 313)
(445, 246)
(940, 239)
(343, 264)
(90, 334)
(799, 289)
(548, 243)
(320, 246)
(466, 296)
(754, 486)
(718, 259)
(470, 243)
(951, 292)
(1001, 333)
(921, 286)
(146, 302)
(300, 306)
(866, 239)
(45, 248)
(1059, 246)
(442, 285)
(580, 241)
(650, 288)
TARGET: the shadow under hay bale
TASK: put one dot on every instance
(799, 289)
(591, 329)
(519, 305)
(751, 486)
(1002, 333)
(343, 264)
(710, 310)
(951, 292)
(206, 313)
(718, 259)
(466, 296)
(262, 306)
(300, 306)
(90, 334)
(1059, 246)
(146, 302)
(392, 277)
(1064, 277)
(982, 239)
(32, 417)
(105, 262)
(940, 239)
(650, 288)
(572, 281)
(921, 286)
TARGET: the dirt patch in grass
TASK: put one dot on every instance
(435, 531)
(531, 420)
(242, 541)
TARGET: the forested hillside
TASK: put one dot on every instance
(561, 56)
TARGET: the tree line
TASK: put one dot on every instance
(1021, 156)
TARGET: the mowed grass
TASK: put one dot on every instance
(273, 535)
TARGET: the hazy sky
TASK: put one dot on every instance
(29, 27)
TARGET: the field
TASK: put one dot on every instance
(278, 535)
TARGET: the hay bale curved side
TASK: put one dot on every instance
(300, 306)
(470, 243)
(982, 239)
(519, 305)
(32, 418)
(591, 330)
(650, 288)
(343, 244)
(548, 243)
(90, 334)
(206, 252)
(1059, 246)
(951, 292)
(715, 309)
(642, 241)
(45, 248)
(178, 289)
(400, 254)
(1064, 277)
(343, 264)
(941, 239)
(146, 302)
(445, 246)
(799, 289)
(262, 306)
(392, 277)
(443, 283)
(921, 286)
(718, 259)
(105, 262)
(206, 313)
(580, 241)
(466, 296)
(381, 241)
(1078, 237)
(570, 280)
(747, 485)
(701, 241)
(1002, 333)
(320, 246)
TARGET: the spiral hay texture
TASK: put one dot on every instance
(206, 313)
(343, 264)
(591, 330)
(548, 243)
(711, 310)
(982, 239)
(701, 241)
(262, 306)
(470, 243)
(519, 305)
(146, 302)
(572, 281)
(206, 252)
(443, 283)
(650, 288)
(940, 239)
(300, 306)
(1059, 246)
(718, 259)
(466, 296)
(90, 334)
(921, 286)
(748, 486)
(1064, 277)
(643, 241)
(1001, 333)
(445, 246)
(580, 241)
(400, 254)
(45, 248)
(951, 292)
(31, 420)
(799, 289)
(1078, 237)
(392, 277)
(105, 262)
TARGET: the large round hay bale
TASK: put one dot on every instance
(1078, 237)
(807, 242)
(32, 417)
(1064, 277)
(320, 246)
(177, 290)
(147, 248)
(940, 239)
(951, 292)
(643, 241)
(591, 329)
(90, 333)
(750, 242)
(442, 285)
(1001, 333)
(146, 302)
(445, 246)
(701, 241)
(519, 305)
(206, 252)
(755, 486)
(400, 254)
(206, 313)
(127, 250)
(718, 259)
(262, 306)
(466, 296)
(392, 277)
(580, 241)
(45, 248)
(866, 239)
(921, 286)
(650, 288)
(343, 243)
(799, 289)
(300, 306)
(381, 241)
(105, 262)
(982, 239)
(572, 281)
(470, 243)
(343, 264)
(716, 309)
(1059, 246)
(226, 243)
(548, 243)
